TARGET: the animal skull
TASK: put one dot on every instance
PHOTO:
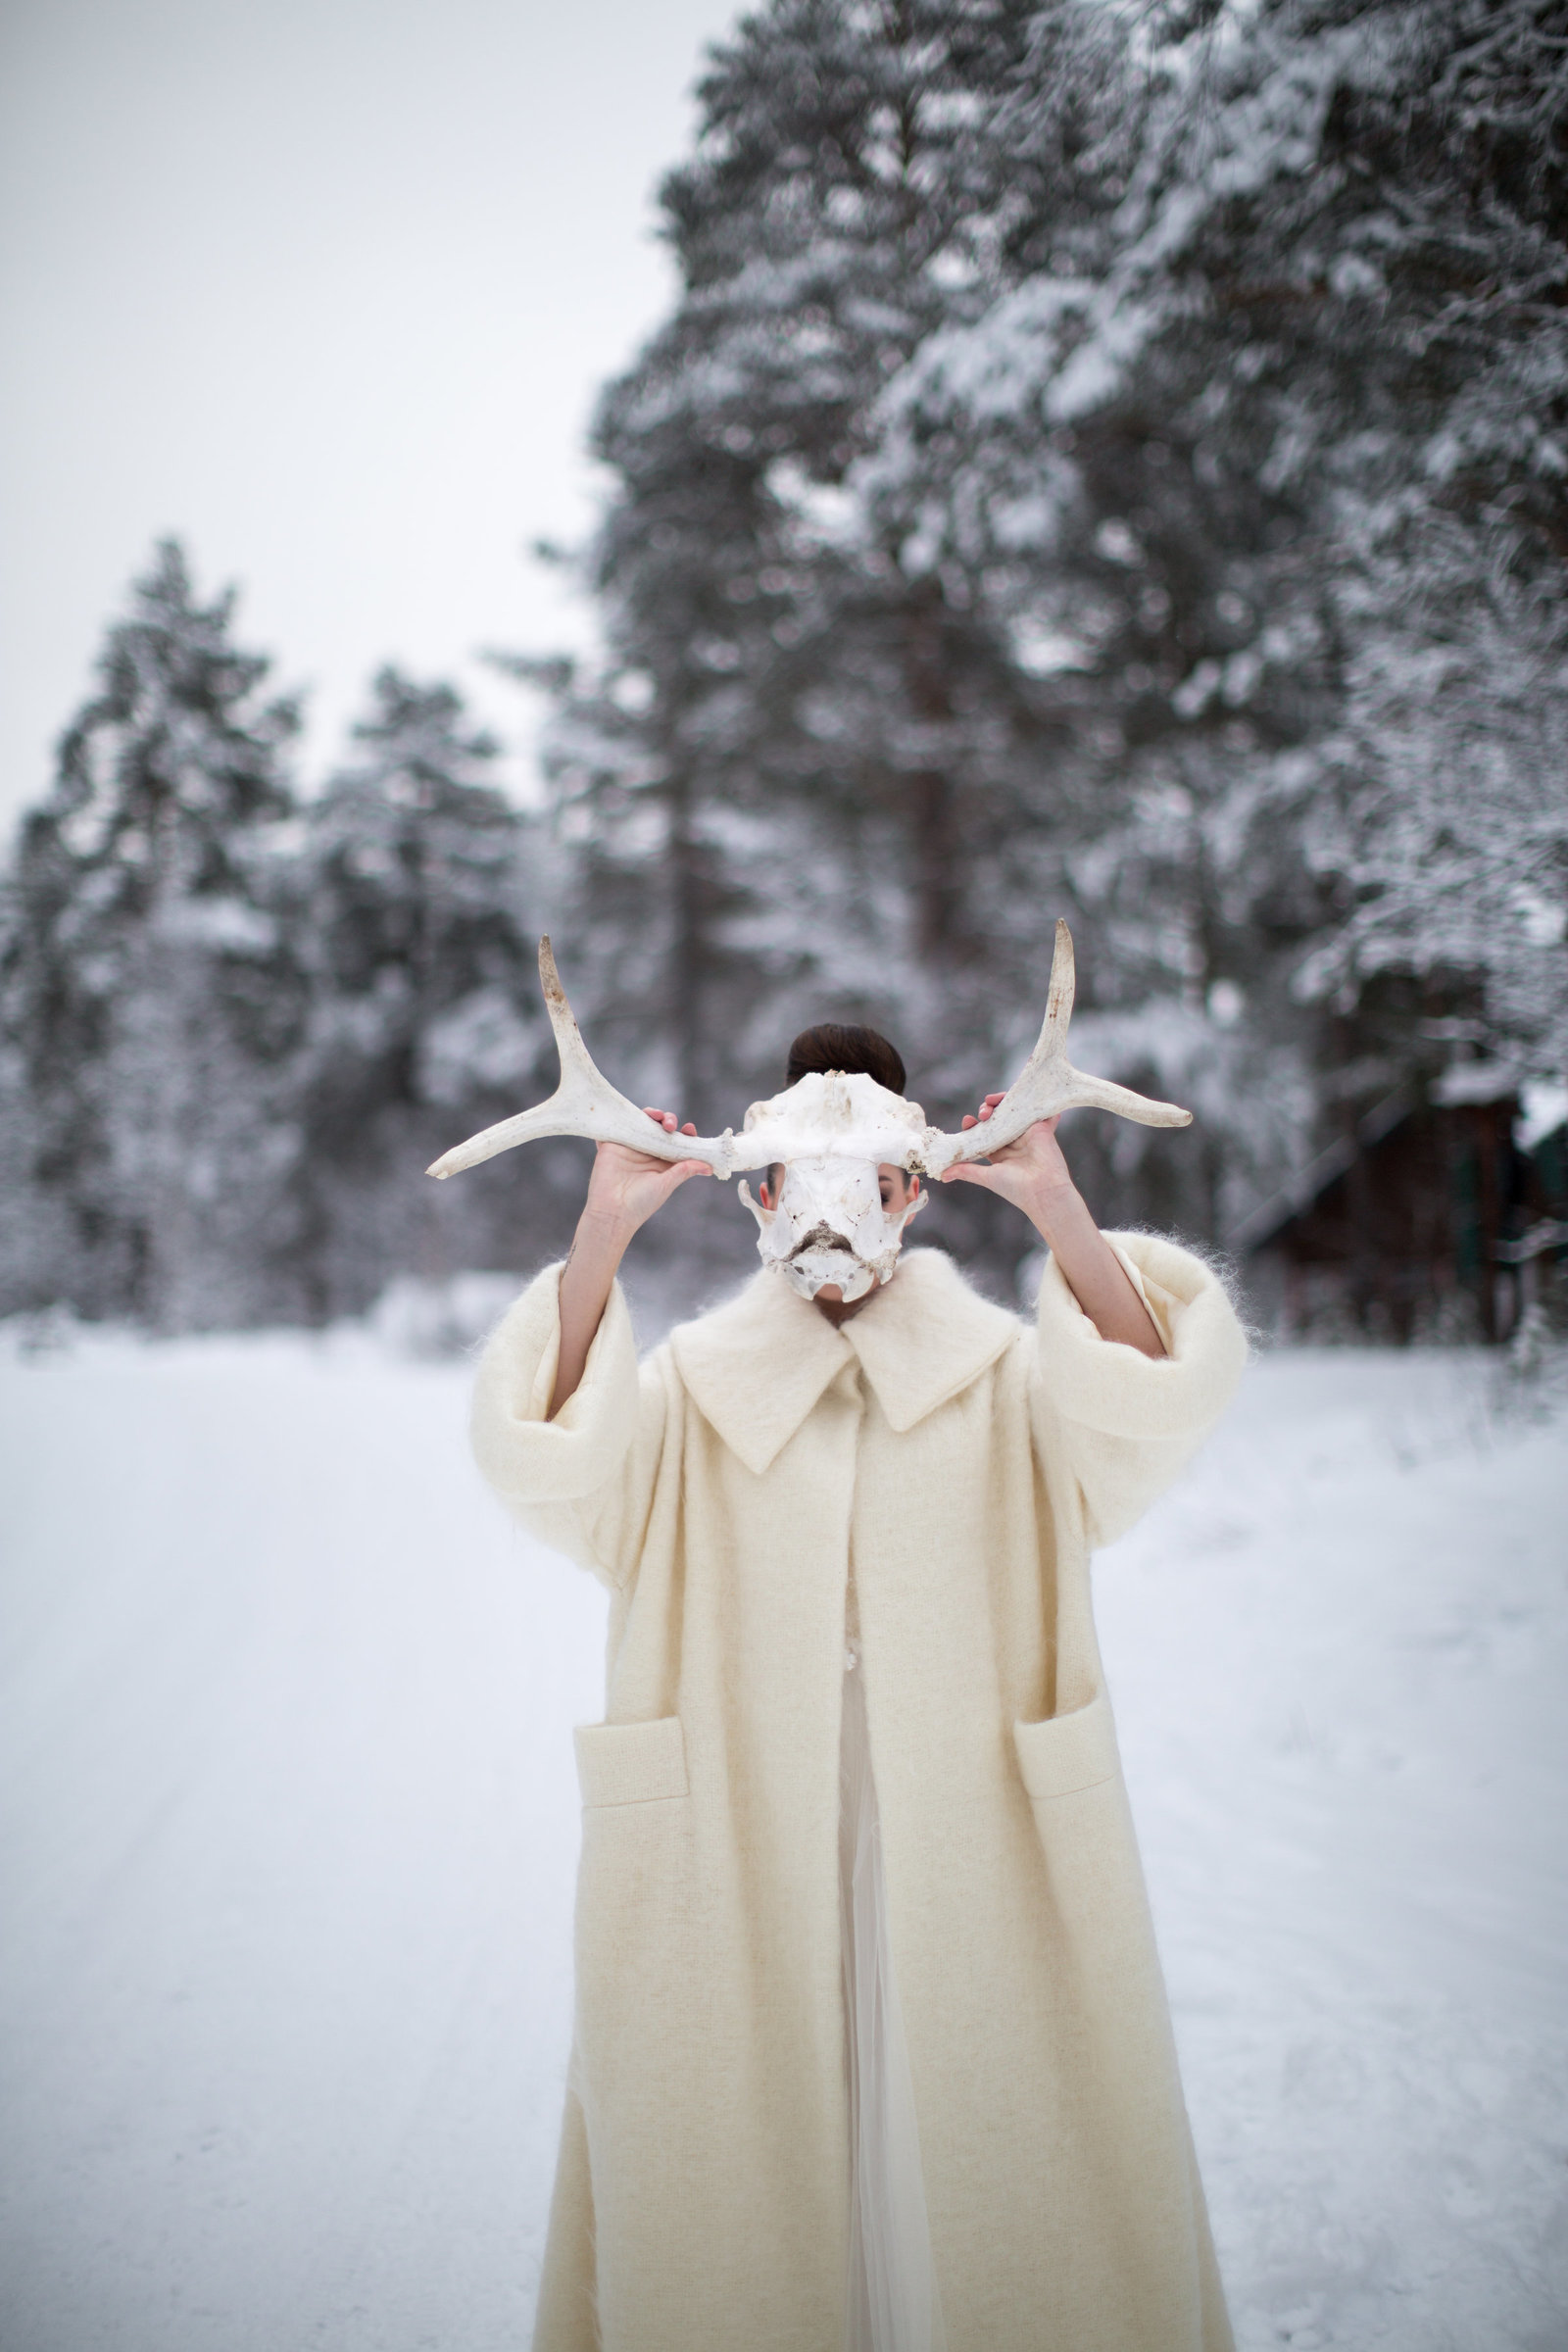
(831, 1134)
(829, 1225)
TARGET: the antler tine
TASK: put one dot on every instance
(583, 1104)
(1062, 989)
(1047, 1083)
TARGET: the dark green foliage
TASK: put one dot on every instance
(418, 909)
(153, 997)
(236, 1031)
(1101, 465)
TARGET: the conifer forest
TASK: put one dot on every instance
(1103, 462)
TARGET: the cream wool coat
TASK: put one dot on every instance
(965, 1465)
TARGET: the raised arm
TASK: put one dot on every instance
(624, 1190)
(1034, 1176)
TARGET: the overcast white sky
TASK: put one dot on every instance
(326, 287)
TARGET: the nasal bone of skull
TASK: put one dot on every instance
(835, 1195)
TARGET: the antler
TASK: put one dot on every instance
(1049, 1083)
(586, 1104)
(583, 1104)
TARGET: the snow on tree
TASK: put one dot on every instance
(1097, 461)
(419, 913)
(150, 995)
(237, 1029)
(1272, 466)
(810, 775)
(1112, 465)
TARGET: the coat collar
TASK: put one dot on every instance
(757, 1365)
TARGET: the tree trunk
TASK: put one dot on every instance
(936, 851)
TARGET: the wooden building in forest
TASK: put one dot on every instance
(1431, 1216)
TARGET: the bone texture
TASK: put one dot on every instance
(583, 1104)
(829, 1225)
(832, 1116)
(1047, 1083)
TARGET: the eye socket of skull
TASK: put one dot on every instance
(823, 1179)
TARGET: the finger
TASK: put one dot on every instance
(666, 1118)
(968, 1120)
(688, 1129)
(970, 1171)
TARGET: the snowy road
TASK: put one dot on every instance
(288, 1825)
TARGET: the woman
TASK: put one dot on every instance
(871, 2045)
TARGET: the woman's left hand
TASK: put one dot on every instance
(1034, 1176)
(1031, 1173)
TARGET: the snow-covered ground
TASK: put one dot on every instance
(288, 1825)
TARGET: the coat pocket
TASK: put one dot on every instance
(631, 1763)
(644, 2029)
(1066, 1753)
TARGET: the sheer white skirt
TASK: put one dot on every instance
(893, 2300)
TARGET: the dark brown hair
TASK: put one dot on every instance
(845, 1046)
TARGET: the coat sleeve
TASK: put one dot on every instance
(582, 1483)
(1123, 1424)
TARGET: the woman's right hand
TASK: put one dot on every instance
(623, 1192)
(627, 1187)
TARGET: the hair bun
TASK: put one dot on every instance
(845, 1046)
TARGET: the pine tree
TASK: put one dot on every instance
(766, 668)
(419, 888)
(151, 999)
(1107, 464)
(1301, 416)
(811, 775)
